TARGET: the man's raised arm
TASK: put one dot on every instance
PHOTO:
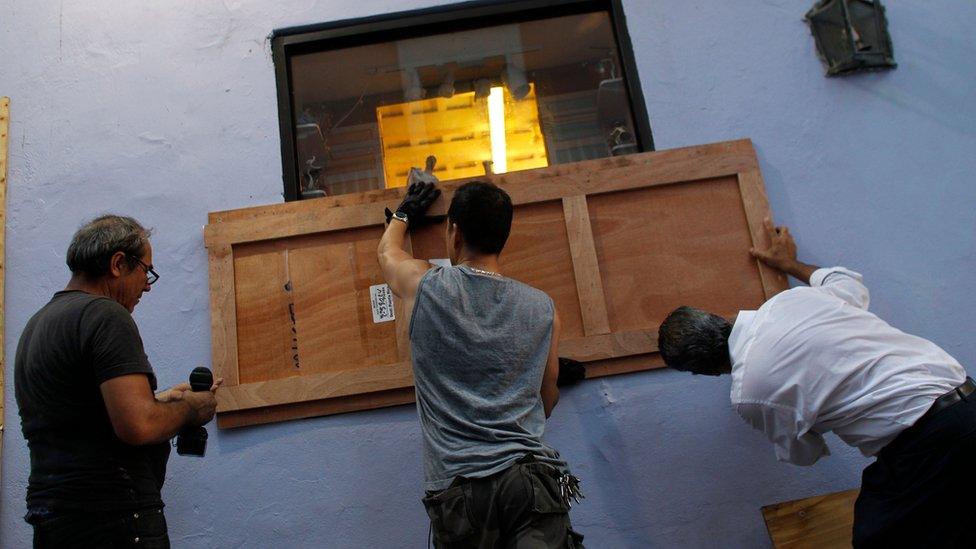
(400, 269)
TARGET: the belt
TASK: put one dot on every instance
(961, 392)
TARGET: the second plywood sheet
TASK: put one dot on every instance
(662, 247)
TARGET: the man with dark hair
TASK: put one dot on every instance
(813, 359)
(97, 434)
(485, 369)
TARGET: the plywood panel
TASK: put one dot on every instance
(266, 341)
(332, 305)
(429, 241)
(820, 522)
(538, 254)
(683, 244)
(617, 243)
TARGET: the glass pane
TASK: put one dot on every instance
(490, 100)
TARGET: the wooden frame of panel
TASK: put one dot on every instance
(4, 142)
(606, 351)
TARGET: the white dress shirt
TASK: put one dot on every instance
(813, 359)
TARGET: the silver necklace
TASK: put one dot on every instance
(481, 271)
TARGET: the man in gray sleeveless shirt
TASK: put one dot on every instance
(485, 369)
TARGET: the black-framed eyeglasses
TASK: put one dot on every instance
(151, 275)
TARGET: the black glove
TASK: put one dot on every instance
(419, 197)
(570, 372)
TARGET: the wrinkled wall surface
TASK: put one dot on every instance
(166, 111)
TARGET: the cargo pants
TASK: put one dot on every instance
(518, 508)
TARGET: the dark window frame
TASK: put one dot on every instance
(436, 20)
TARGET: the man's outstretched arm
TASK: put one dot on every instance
(781, 254)
(837, 281)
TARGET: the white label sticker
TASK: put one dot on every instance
(440, 262)
(381, 298)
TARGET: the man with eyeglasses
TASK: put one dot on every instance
(97, 434)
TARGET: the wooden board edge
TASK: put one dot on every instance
(624, 365)
(223, 315)
(613, 345)
(325, 407)
(741, 150)
(307, 388)
(586, 267)
(232, 419)
(756, 207)
(4, 148)
(729, 158)
(399, 375)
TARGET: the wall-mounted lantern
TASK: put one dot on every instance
(851, 35)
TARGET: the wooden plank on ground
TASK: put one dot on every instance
(821, 522)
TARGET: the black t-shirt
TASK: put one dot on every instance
(68, 349)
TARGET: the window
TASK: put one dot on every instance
(472, 89)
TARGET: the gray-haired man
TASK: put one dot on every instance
(97, 433)
(813, 359)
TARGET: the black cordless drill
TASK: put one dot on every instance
(193, 440)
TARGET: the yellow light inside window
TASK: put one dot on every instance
(459, 132)
(496, 121)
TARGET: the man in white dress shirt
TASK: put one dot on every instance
(813, 359)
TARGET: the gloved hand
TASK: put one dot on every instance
(420, 195)
(570, 372)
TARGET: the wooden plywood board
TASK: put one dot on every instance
(4, 141)
(822, 522)
(679, 243)
(617, 243)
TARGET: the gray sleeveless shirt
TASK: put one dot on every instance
(480, 345)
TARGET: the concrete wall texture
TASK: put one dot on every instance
(166, 111)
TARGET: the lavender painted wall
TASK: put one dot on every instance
(166, 111)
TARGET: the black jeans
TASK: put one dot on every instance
(518, 508)
(145, 528)
(915, 494)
